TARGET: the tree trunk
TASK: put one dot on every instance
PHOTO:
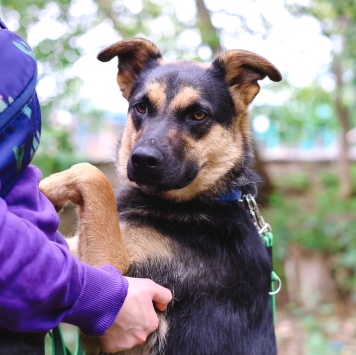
(309, 278)
(266, 187)
(345, 178)
(208, 32)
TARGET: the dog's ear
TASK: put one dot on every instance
(133, 54)
(242, 69)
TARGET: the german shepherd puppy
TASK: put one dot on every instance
(184, 160)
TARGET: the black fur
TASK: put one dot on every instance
(219, 275)
(215, 263)
(12, 343)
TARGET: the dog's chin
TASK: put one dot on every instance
(150, 189)
(159, 188)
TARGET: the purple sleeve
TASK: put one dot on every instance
(41, 283)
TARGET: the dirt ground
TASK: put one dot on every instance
(314, 334)
(328, 330)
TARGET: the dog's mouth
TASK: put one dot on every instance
(155, 170)
(169, 177)
(157, 187)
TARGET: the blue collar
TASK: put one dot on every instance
(230, 196)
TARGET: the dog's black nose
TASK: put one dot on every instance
(146, 159)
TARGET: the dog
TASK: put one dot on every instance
(184, 161)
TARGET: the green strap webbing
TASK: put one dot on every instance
(58, 343)
(267, 239)
(79, 349)
(274, 278)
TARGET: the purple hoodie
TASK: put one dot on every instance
(41, 283)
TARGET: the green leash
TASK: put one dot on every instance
(267, 239)
(58, 345)
(265, 232)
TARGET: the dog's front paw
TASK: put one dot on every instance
(63, 187)
(52, 188)
(74, 184)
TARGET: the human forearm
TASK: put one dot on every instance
(42, 284)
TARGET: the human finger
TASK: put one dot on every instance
(161, 297)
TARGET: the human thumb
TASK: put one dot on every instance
(161, 297)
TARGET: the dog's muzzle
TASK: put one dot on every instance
(156, 170)
(146, 165)
(146, 162)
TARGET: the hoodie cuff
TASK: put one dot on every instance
(103, 294)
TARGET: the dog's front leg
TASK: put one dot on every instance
(100, 240)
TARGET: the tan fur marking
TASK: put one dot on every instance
(156, 93)
(241, 122)
(217, 153)
(125, 84)
(128, 140)
(172, 134)
(242, 126)
(184, 98)
(142, 243)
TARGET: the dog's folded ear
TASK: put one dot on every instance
(134, 55)
(242, 70)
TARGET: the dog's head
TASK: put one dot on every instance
(187, 127)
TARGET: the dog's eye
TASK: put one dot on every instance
(141, 108)
(199, 115)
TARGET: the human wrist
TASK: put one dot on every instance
(103, 294)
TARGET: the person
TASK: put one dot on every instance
(41, 282)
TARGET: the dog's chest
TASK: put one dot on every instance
(217, 268)
(211, 251)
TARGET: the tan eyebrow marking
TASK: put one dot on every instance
(156, 93)
(184, 98)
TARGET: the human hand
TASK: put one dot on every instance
(137, 317)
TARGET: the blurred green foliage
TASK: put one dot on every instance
(305, 208)
(303, 211)
(57, 153)
(307, 110)
(309, 211)
(337, 21)
(56, 57)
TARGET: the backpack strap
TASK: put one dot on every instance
(20, 114)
